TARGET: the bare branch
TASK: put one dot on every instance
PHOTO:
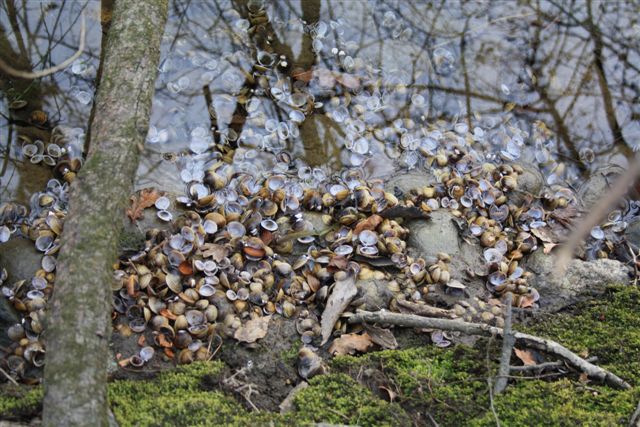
(29, 75)
(542, 344)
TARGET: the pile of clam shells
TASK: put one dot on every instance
(254, 245)
(262, 233)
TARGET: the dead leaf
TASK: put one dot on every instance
(526, 301)
(383, 337)
(337, 263)
(371, 223)
(526, 356)
(343, 292)
(545, 234)
(253, 330)
(302, 75)
(350, 343)
(548, 247)
(144, 199)
(215, 251)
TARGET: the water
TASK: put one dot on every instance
(343, 84)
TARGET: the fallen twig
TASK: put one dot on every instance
(546, 365)
(507, 348)
(427, 310)
(596, 214)
(548, 346)
(9, 377)
(8, 69)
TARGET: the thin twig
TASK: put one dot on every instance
(542, 366)
(488, 361)
(9, 377)
(8, 69)
(596, 215)
(507, 347)
(531, 341)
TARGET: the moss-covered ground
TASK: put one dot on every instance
(426, 384)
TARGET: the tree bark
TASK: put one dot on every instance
(79, 326)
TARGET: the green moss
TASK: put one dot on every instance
(175, 397)
(182, 397)
(452, 386)
(290, 356)
(559, 403)
(17, 403)
(608, 328)
(338, 399)
(448, 384)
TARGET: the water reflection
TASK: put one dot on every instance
(346, 83)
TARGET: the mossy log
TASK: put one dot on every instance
(79, 324)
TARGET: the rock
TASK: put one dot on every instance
(287, 404)
(372, 295)
(20, 257)
(21, 260)
(440, 234)
(530, 182)
(582, 279)
(409, 181)
(598, 184)
(632, 234)
(8, 317)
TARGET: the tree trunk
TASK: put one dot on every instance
(79, 316)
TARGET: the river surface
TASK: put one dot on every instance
(358, 84)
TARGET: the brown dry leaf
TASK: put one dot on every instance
(343, 292)
(370, 223)
(350, 343)
(215, 251)
(144, 199)
(544, 233)
(253, 330)
(527, 301)
(548, 247)
(526, 356)
(564, 216)
(337, 263)
(302, 75)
